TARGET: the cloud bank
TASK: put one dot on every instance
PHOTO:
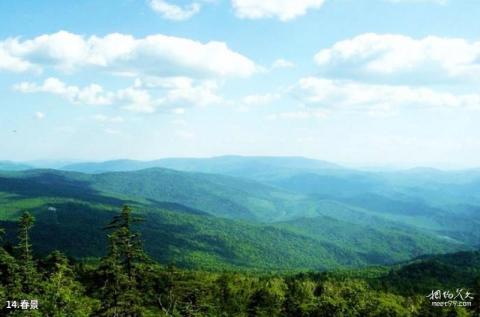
(379, 57)
(344, 95)
(158, 55)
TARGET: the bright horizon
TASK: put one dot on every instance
(380, 83)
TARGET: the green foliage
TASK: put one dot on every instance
(62, 294)
(181, 229)
(124, 284)
(209, 223)
(27, 271)
(300, 299)
(434, 272)
(119, 269)
(268, 298)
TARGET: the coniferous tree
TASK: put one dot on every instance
(129, 246)
(63, 295)
(27, 271)
(118, 270)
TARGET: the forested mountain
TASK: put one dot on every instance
(338, 240)
(127, 282)
(447, 271)
(446, 203)
(209, 220)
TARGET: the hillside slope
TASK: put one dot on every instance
(73, 207)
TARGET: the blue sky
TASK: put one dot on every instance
(375, 82)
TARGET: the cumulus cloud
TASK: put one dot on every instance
(173, 93)
(402, 58)
(159, 55)
(92, 94)
(284, 10)
(132, 98)
(11, 63)
(374, 98)
(137, 100)
(174, 12)
(183, 91)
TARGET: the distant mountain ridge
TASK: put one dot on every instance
(13, 166)
(231, 165)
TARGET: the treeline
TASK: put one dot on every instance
(127, 283)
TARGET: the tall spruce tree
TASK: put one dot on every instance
(27, 271)
(128, 243)
(118, 270)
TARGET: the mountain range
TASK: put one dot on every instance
(264, 213)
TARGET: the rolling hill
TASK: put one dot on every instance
(427, 273)
(207, 220)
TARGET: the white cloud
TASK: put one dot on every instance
(203, 94)
(133, 99)
(119, 53)
(137, 100)
(61, 49)
(283, 10)
(174, 12)
(39, 115)
(174, 93)
(11, 63)
(402, 58)
(92, 94)
(376, 99)
(183, 91)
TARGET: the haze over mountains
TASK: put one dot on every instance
(250, 212)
